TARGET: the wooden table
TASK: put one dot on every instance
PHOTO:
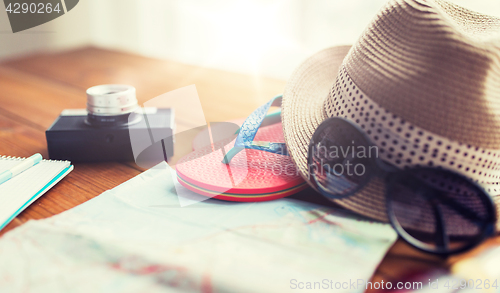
(35, 89)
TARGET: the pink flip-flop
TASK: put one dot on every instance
(256, 168)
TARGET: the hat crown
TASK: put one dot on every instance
(435, 65)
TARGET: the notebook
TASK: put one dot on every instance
(22, 190)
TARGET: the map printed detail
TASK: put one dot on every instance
(136, 238)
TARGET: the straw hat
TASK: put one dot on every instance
(423, 81)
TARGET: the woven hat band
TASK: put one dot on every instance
(406, 145)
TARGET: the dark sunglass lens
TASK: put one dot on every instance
(340, 159)
(439, 211)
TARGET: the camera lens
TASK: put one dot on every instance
(111, 105)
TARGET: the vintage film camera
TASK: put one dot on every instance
(112, 128)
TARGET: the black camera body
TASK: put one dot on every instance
(71, 138)
(109, 132)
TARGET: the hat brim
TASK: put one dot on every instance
(303, 110)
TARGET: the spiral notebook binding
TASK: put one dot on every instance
(59, 161)
(11, 158)
(6, 157)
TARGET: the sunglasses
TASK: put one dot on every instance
(433, 209)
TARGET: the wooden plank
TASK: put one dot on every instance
(35, 100)
(223, 95)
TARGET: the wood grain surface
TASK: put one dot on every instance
(35, 89)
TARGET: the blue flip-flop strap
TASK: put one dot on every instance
(249, 128)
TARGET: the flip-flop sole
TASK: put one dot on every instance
(243, 197)
(250, 173)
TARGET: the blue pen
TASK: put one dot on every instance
(21, 167)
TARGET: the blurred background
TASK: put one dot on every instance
(258, 37)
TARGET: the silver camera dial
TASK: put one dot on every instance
(111, 100)
(110, 105)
